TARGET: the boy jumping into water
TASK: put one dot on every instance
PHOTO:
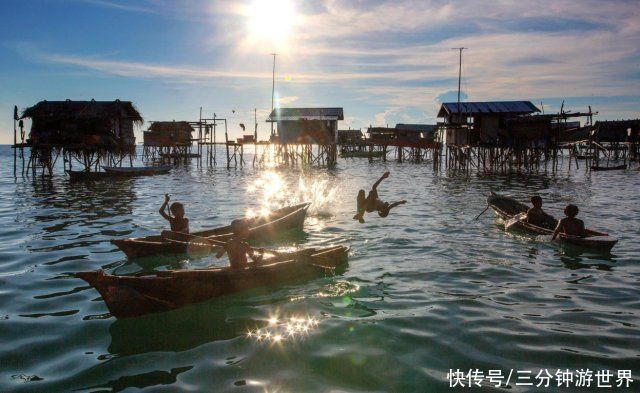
(570, 225)
(179, 223)
(372, 202)
(238, 248)
(537, 216)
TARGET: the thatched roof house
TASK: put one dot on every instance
(83, 124)
(349, 136)
(168, 133)
(617, 130)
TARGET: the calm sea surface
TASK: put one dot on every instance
(427, 289)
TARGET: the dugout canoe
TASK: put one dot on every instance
(261, 228)
(180, 155)
(608, 168)
(132, 296)
(507, 208)
(362, 154)
(110, 172)
(137, 171)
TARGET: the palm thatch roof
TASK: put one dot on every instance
(616, 130)
(101, 124)
(84, 109)
(170, 126)
(168, 133)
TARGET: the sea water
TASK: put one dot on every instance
(427, 291)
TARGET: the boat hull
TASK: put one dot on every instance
(132, 296)
(137, 171)
(110, 172)
(362, 154)
(506, 208)
(261, 228)
(609, 168)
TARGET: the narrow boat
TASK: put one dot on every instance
(507, 208)
(362, 154)
(261, 228)
(608, 168)
(132, 296)
(180, 155)
(86, 175)
(137, 171)
(110, 172)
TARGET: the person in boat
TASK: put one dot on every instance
(238, 248)
(570, 225)
(179, 223)
(537, 216)
(372, 203)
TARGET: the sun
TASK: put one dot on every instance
(271, 22)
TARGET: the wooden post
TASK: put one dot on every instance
(15, 140)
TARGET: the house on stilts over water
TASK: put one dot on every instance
(168, 139)
(501, 135)
(87, 134)
(306, 135)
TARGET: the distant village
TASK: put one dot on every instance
(488, 136)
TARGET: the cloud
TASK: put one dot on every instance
(382, 118)
(392, 60)
(287, 100)
(451, 96)
(121, 6)
(149, 70)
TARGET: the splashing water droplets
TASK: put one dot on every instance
(273, 191)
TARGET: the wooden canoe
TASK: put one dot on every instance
(506, 208)
(362, 154)
(131, 296)
(608, 168)
(261, 228)
(137, 171)
(110, 172)
(179, 155)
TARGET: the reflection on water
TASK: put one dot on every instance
(152, 378)
(281, 328)
(426, 289)
(177, 331)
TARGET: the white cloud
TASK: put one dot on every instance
(287, 100)
(393, 59)
(382, 118)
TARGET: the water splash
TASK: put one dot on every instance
(273, 191)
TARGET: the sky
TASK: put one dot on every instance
(384, 62)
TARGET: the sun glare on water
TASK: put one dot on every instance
(271, 22)
(280, 330)
(272, 191)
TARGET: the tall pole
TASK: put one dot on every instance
(15, 140)
(273, 87)
(255, 124)
(459, 78)
(200, 136)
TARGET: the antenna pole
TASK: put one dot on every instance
(255, 124)
(459, 78)
(273, 87)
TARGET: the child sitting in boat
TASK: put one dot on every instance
(372, 202)
(537, 216)
(570, 225)
(238, 248)
(179, 223)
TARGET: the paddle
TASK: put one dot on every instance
(481, 213)
(514, 220)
